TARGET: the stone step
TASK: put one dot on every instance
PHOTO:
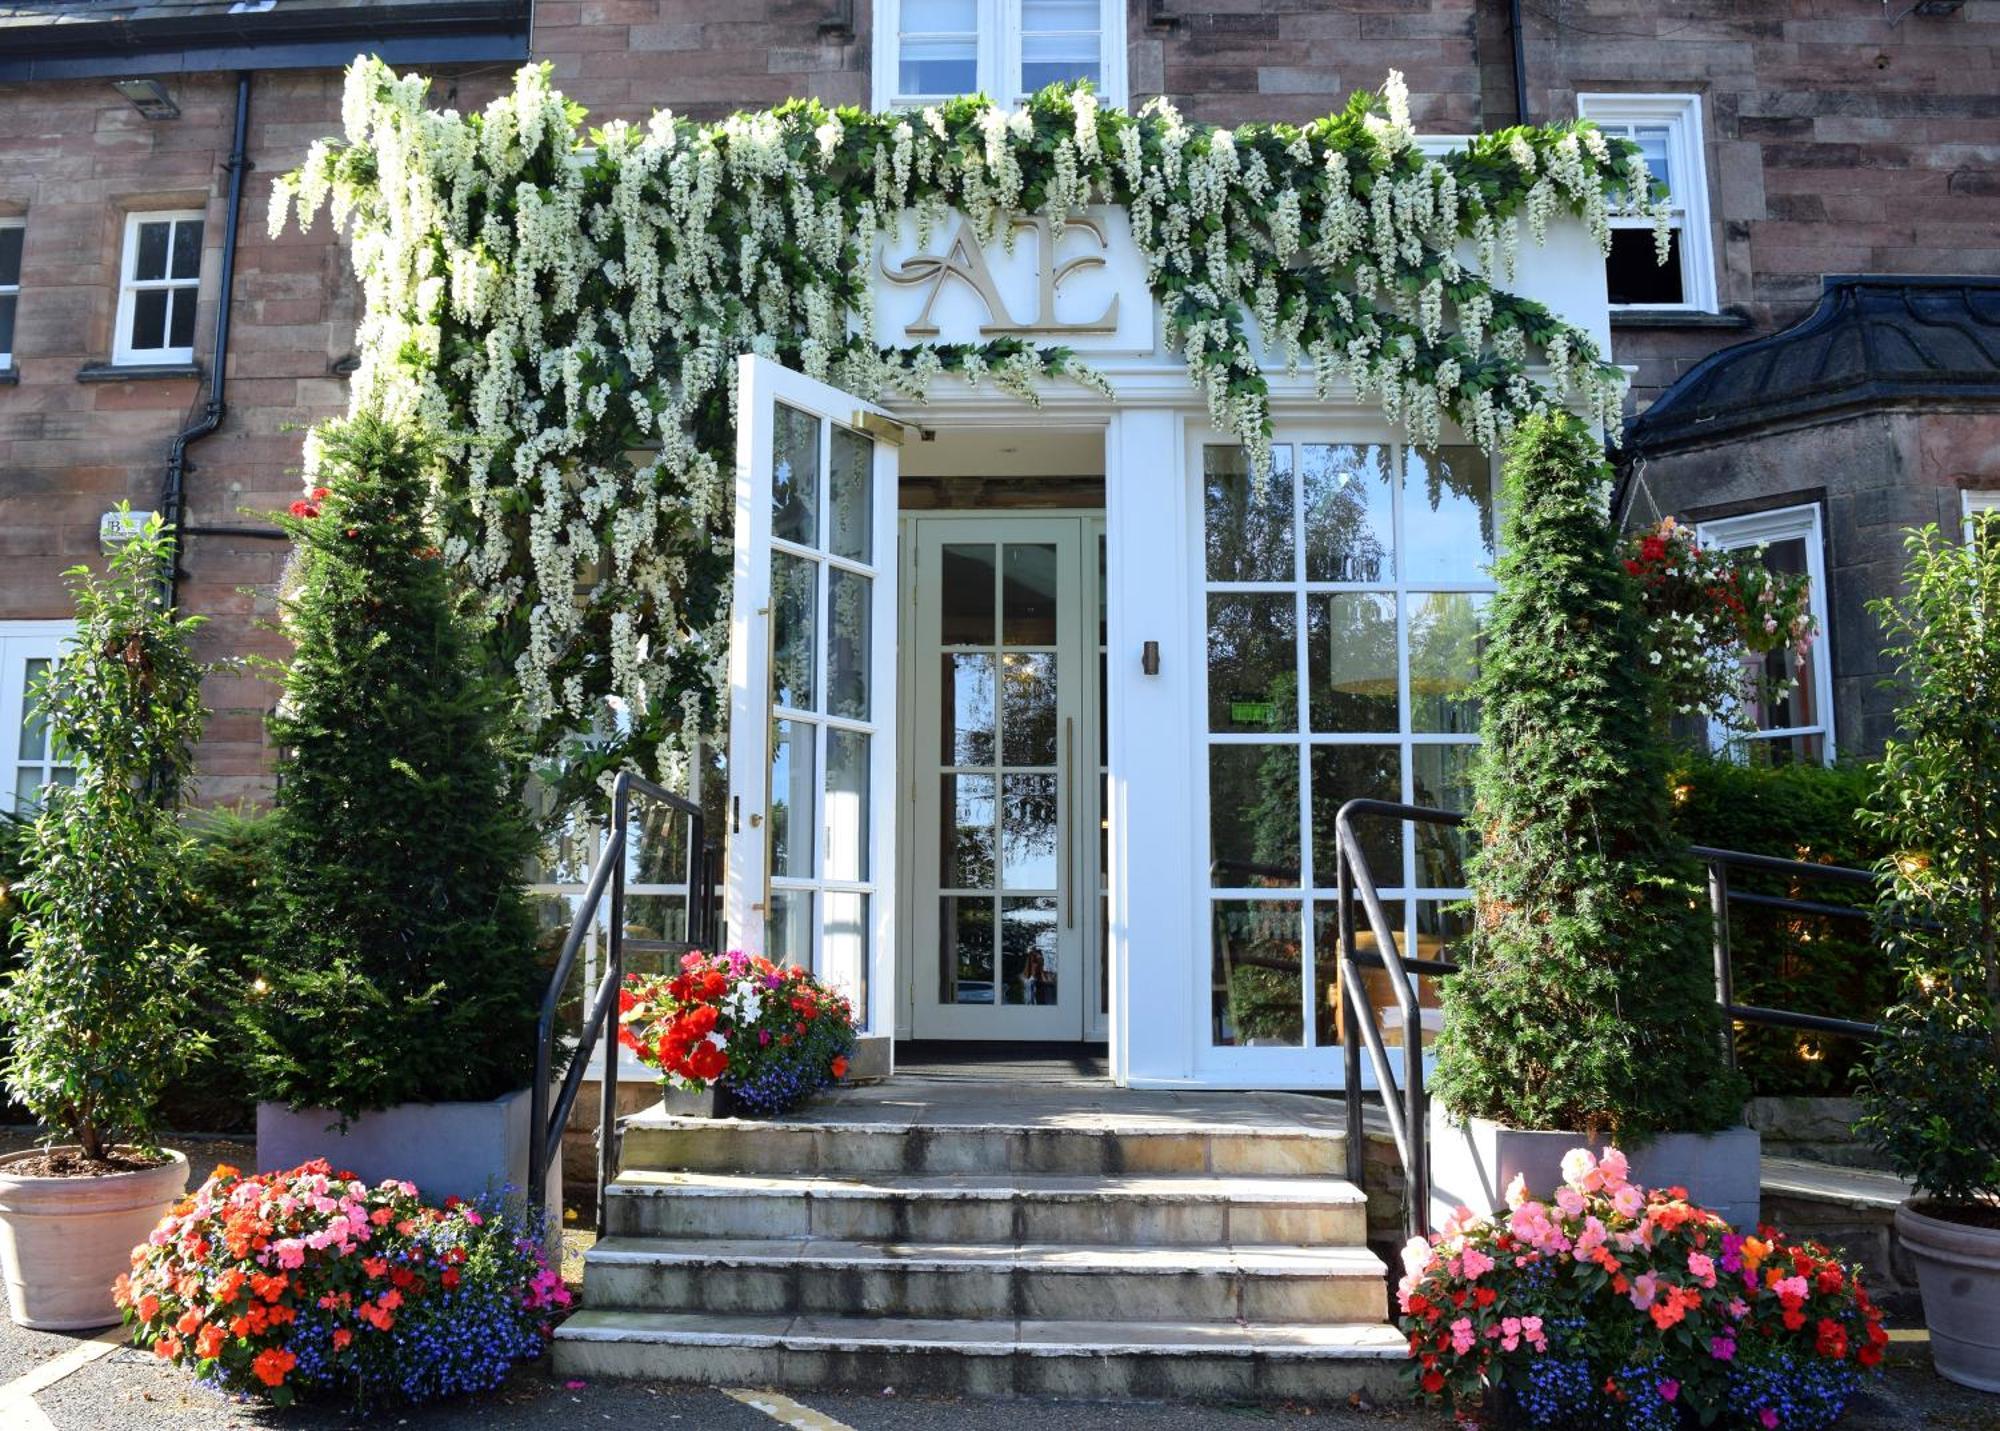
(951, 1280)
(1108, 1210)
(1182, 1360)
(662, 1140)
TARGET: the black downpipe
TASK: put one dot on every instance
(1520, 61)
(173, 492)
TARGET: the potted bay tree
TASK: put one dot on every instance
(1585, 1010)
(99, 1007)
(1932, 1098)
(391, 1027)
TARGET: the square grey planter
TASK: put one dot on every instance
(1472, 1164)
(447, 1149)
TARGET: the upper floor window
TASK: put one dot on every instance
(1978, 508)
(158, 285)
(1793, 721)
(929, 50)
(12, 231)
(28, 759)
(1667, 129)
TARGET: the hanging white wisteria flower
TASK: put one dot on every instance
(563, 309)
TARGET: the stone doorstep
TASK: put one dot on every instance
(1163, 1188)
(1080, 1258)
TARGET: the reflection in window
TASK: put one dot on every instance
(1791, 723)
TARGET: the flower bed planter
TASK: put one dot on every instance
(1471, 1165)
(1958, 1272)
(447, 1149)
(64, 1241)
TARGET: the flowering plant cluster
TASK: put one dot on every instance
(309, 1281)
(1710, 614)
(567, 307)
(1612, 1304)
(771, 1035)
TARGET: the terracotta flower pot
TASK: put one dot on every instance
(1958, 1272)
(64, 1241)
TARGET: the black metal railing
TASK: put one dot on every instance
(1405, 1104)
(600, 1017)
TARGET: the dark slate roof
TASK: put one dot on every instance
(1872, 342)
(70, 39)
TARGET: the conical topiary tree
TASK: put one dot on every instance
(1585, 1001)
(403, 965)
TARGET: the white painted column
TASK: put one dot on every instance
(1155, 848)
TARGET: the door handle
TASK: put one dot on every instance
(1067, 870)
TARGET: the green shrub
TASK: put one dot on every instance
(1585, 1000)
(1933, 1094)
(402, 966)
(1790, 961)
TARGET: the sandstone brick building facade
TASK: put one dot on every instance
(1806, 138)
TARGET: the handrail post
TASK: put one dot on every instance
(607, 1128)
(1350, 1027)
(1725, 979)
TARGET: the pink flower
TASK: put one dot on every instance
(1768, 1417)
(1738, 1309)
(1793, 1287)
(1569, 1200)
(1477, 1264)
(1463, 1337)
(1613, 1167)
(1531, 1332)
(1645, 1287)
(1701, 1268)
(1627, 1201)
(1517, 1190)
(1722, 1348)
(1416, 1255)
(1579, 1170)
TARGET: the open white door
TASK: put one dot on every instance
(812, 686)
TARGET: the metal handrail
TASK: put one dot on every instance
(1406, 1107)
(547, 1123)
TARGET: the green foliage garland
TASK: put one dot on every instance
(551, 304)
(1584, 1002)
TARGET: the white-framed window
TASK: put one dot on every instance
(159, 283)
(12, 233)
(28, 761)
(1344, 603)
(927, 50)
(1667, 129)
(1794, 727)
(1976, 504)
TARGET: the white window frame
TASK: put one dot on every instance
(20, 643)
(1756, 529)
(129, 287)
(998, 66)
(1681, 114)
(13, 290)
(1973, 502)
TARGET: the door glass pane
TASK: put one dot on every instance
(794, 623)
(965, 949)
(1028, 949)
(1351, 661)
(795, 476)
(1030, 612)
(187, 249)
(150, 261)
(1447, 514)
(1357, 772)
(788, 928)
(846, 805)
(34, 728)
(1253, 662)
(1349, 513)
(1258, 980)
(843, 945)
(967, 708)
(1376, 988)
(966, 860)
(1028, 708)
(149, 318)
(1253, 816)
(1028, 816)
(1441, 777)
(966, 609)
(851, 507)
(1248, 524)
(1444, 660)
(849, 597)
(792, 785)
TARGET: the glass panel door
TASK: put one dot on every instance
(1003, 770)
(812, 686)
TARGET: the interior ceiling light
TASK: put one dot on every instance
(149, 97)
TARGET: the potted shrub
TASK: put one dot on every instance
(1932, 1097)
(391, 1025)
(755, 1037)
(99, 1007)
(1585, 1009)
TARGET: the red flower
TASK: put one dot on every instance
(149, 1307)
(375, 1266)
(1832, 1339)
(208, 1345)
(840, 1066)
(272, 1365)
(303, 508)
(1433, 1382)
(189, 1323)
(320, 494)
(341, 1337)
(167, 1348)
(707, 1062)
(449, 1278)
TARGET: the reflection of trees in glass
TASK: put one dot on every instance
(1258, 972)
(794, 605)
(1028, 951)
(851, 482)
(1252, 662)
(847, 597)
(1456, 480)
(794, 476)
(1348, 513)
(1248, 524)
(1356, 772)
(1441, 777)
(1028, 708)
(968, 713)
(1029, 810)
(968, 855)
(1445, 639)
(1254, 815)
(1351, 661)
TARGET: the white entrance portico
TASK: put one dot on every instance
(1110, 824)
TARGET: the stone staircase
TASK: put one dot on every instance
(992, 1240)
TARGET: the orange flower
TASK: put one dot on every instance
(209, 1344)
(272, 1365)
(189, 1323)
(167, 1348)
(149, 1307)
(341, 1337)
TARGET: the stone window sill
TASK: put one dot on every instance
(135, 372)
(1675, 318)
